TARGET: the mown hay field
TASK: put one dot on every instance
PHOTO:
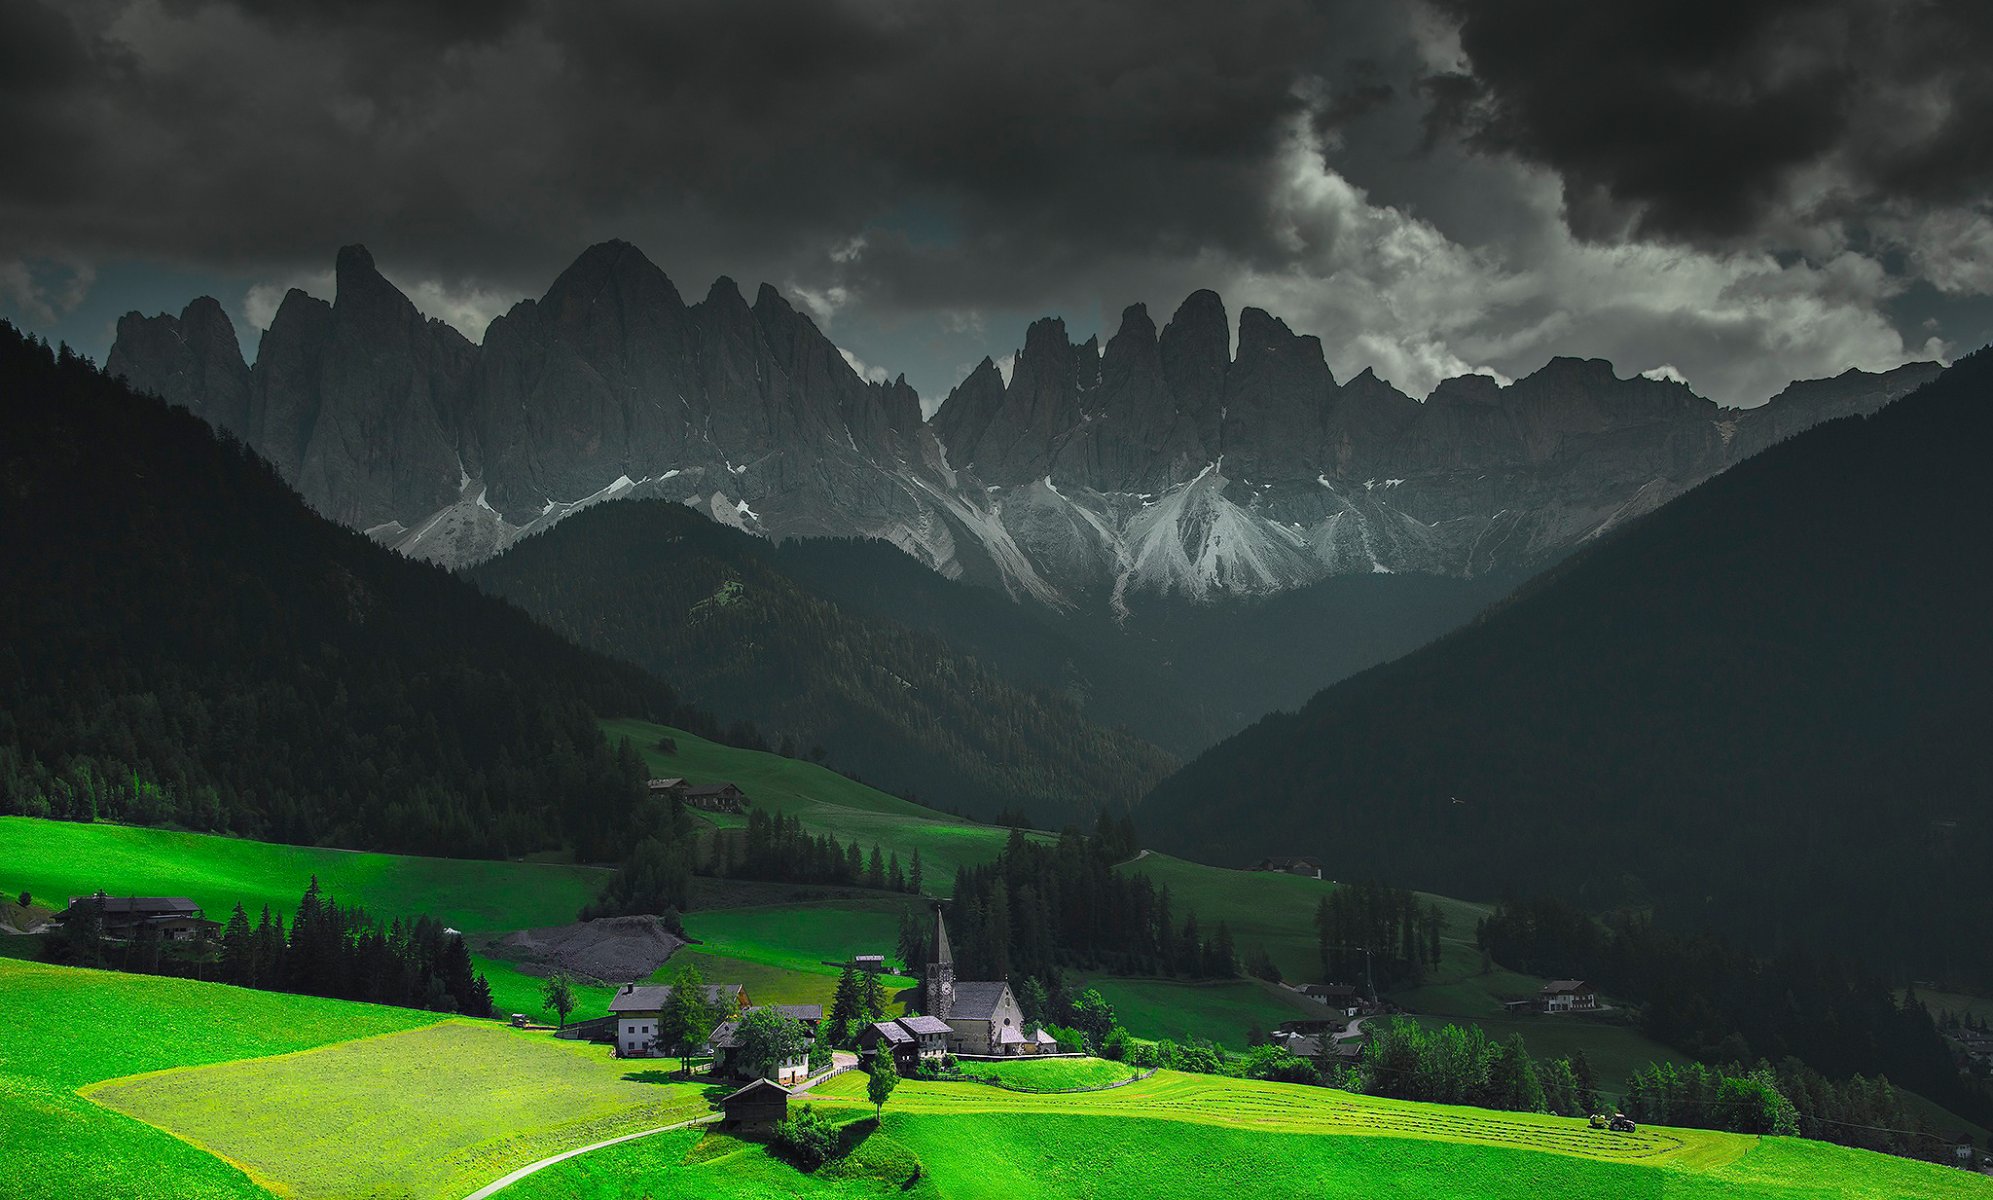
(436, 1111)
(64, 1029)
(1189, 1137)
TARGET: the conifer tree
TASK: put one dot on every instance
(238, 950)
(872, 997)
(844, 1003)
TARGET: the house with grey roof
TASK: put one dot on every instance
(172, 918)
(982, 1016)
(636, 1008)
(1568, 995)
(908, 1039)
(725, 1041)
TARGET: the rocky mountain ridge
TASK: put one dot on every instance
(1162, 462)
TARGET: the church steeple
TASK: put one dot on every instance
(938, 990)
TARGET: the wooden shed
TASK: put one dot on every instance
(757, 1106)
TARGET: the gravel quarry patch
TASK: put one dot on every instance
(609, 950)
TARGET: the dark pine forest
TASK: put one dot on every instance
(182, 641)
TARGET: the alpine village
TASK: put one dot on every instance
(1279, 599)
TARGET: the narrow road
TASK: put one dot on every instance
(841, 1061)
(1355, 1030)
(500, 1185)
(1138, 858)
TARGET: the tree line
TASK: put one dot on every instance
(1369, 932)
(1043, 906)
(193, 646)
(329, 949)
(776, 848)
(1717, 1003)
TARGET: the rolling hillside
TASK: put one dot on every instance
(1200, 1136)
(709, 607)
(186, 643)
(322, 1105)
(1757, 709)
(759, 936)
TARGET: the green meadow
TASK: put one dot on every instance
(1223, 1011)
(1196, 1136)
(823, 800)
(1051, 1074)
(437, 1111)
(64, 1029)
(133, 1086)
(114, 1085)
(792, 953)
(59, 859)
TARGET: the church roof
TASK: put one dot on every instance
(977, 999)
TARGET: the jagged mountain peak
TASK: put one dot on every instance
(354, 260)
(1136, 322)
(725, 293)
(614, 268)
(1086, 463)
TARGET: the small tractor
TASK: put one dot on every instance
(1618, 1122)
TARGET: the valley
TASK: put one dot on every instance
(960, 601)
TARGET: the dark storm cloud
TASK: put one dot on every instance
(927, 175)
(1713, 120)
(1042, 136)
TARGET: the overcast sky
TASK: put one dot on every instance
(1740, 192)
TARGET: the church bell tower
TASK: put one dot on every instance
(938, 990)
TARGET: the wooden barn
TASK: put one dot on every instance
(759, 1105)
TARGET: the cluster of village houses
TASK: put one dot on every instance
(965, 1018)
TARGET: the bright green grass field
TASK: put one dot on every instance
(1051, 1074)
(783, 952)
(804, 937)
(426, 1112)
(61, 1029)
(1218, 1011)
(60, 859)
(1193, 1136)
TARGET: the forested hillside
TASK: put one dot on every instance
(183, 642)
(1760, 709)
(710, 607)
(1179, 673)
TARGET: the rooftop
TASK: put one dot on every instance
(977, 999)
(637, 998)
(140, 905)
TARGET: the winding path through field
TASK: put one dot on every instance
(841, 1062)
(501, 1184)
